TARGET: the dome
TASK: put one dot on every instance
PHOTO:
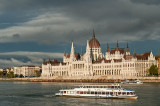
(94, 43)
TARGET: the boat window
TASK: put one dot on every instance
(99, 92)
(95, 92)
(111, 93)
(78, 92)
(112, 87)
(123, 93)
(103, 93)
(84, 92)
(81, 92)
(119, 93)
(64, 91)
(92, 92)
(127, 93)
(107, 93)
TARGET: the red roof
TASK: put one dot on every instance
(147, 53)
(77, 55)
(99, 61)
(128, 57)
(54, 62)
(93, 43)
(141, 57)
(120, 50)
(68, 55)
(107, 61)
(157, 57)
(117, 60)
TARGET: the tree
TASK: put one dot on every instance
(10, 74)
(153, 70)
(37, 73)
(21, 76)
(1, 74)
(16, 75)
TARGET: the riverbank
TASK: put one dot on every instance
(83, 79)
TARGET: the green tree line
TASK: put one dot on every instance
(153, 70)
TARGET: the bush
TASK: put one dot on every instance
(1, 74)
(153, 70)
(37, 73)
(21, 76)
(10, 74)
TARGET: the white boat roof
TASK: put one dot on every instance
(99, 85)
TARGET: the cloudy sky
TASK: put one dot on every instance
(33, 30)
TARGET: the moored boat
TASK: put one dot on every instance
(132, 81)
(98, 91)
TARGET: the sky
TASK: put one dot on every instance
(33, 30)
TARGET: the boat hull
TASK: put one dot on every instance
(99, 97)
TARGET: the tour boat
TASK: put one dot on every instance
(98, 91)
(132, 81)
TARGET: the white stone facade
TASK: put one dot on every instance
(116, 62)
(26, 71)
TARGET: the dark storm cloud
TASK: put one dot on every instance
(51, 21)
(16, 36)
(148, 2)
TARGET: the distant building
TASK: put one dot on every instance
(1, 69)
(26, 70)
(9, 70)
(158, 65)
(115, 62)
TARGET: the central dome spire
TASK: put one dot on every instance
(94, 43)
(93, 36)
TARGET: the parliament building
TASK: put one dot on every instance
(115, 62)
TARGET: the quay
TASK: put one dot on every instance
(82, 79)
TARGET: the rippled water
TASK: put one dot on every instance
(42, 94)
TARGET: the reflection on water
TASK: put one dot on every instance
(38, 94)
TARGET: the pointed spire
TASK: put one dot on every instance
(127, 48)
(107, 47)
(65, 52)
(44, 61)
(117, 48)
(72, 51)
(81, 52)
(117, 43)
(134, 53)
(93, 34)
(87, 48)
(72, 48)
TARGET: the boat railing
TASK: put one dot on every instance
(117, 86)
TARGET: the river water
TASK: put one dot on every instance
(42, 94)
